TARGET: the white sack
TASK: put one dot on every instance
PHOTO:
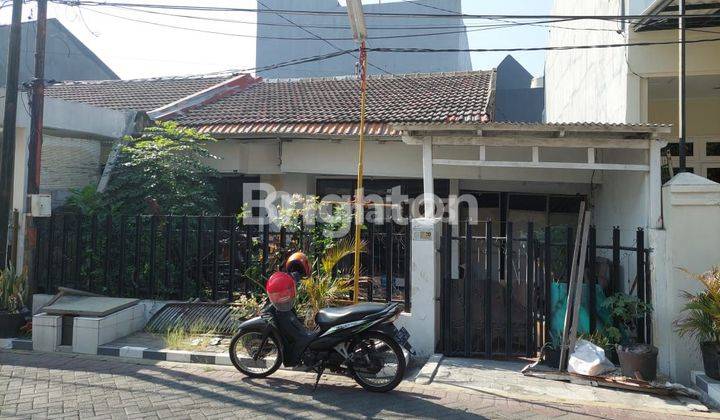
(589, 359)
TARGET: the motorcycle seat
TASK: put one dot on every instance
(329, 317)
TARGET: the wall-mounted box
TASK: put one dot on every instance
(40, 205)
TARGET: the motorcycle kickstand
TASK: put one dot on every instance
(319, 371)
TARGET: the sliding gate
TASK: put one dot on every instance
(496, 284)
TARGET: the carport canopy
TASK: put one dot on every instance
(534, 137)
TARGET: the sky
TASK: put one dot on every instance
(136, 50)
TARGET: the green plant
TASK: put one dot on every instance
(600, 338)
(247, 307)
(164, 169)
(700, 317)
(178, 337)
(13, 290)
(86, 200)
(625, 311)
(326, 286)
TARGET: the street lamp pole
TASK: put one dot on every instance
(357, 23)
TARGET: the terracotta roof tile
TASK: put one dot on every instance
(325, 104)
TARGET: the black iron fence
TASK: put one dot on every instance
(503, 284)
(209, 257)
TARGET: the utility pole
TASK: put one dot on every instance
(37, 102)
(357, 23)
(682, 150)
(7, 148)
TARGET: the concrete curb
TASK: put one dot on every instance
(131, 352)
(16, 344)
(428, 371)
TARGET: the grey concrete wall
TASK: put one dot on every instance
(270, 51)
(66, 58)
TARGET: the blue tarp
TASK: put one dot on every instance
(558, 303)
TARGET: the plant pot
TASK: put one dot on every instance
(711, 359)
(638, 361)
(551, 358)
(10, 324)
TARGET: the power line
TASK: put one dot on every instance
(557, 48)
(377, 14)
(212, 32)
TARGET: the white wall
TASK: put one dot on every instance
(691, 207)
(587, 85)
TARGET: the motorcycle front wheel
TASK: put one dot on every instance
(248, 358)
(377, 362)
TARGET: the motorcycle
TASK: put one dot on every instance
(358, 340)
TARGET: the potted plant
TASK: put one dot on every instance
(700, 319)
(12, 296)
(607, 338)
(637, 360)
(550, 352)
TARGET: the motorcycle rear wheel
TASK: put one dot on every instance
(383, 353)
(242, 350)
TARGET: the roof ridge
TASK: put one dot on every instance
(380, 76)
(145, 79)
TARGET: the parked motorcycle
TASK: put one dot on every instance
(358, 340)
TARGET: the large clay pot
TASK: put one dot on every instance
(711, 359)
(10, 324)
(638, 360)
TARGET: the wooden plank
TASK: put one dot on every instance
(578, 284)
(571, 288)
(542, 165)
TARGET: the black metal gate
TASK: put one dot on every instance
(496, 278)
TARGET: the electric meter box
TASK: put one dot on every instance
(40, 205)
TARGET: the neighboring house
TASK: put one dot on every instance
(66, 57)
(639, 84)
(450, 34)
(518, 96)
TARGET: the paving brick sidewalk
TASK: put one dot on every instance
(37, 385)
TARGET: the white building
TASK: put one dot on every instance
(639, 84)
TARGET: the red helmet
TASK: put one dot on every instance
(298, 263)
(280, 288)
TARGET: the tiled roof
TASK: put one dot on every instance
(136, 95)
(330, 106)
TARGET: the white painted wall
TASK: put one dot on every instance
(588, 85)
(691, 208)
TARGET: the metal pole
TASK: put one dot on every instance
(7, 149)
(37, 102)
(359, 196)
(681, 86)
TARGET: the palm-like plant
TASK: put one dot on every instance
(701, 312)
(12, 290)
(327, 286)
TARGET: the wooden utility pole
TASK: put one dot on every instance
(7, 148)
(37, 103)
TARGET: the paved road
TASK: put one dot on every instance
(35, 385)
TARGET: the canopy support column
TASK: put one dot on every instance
(428, 181)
